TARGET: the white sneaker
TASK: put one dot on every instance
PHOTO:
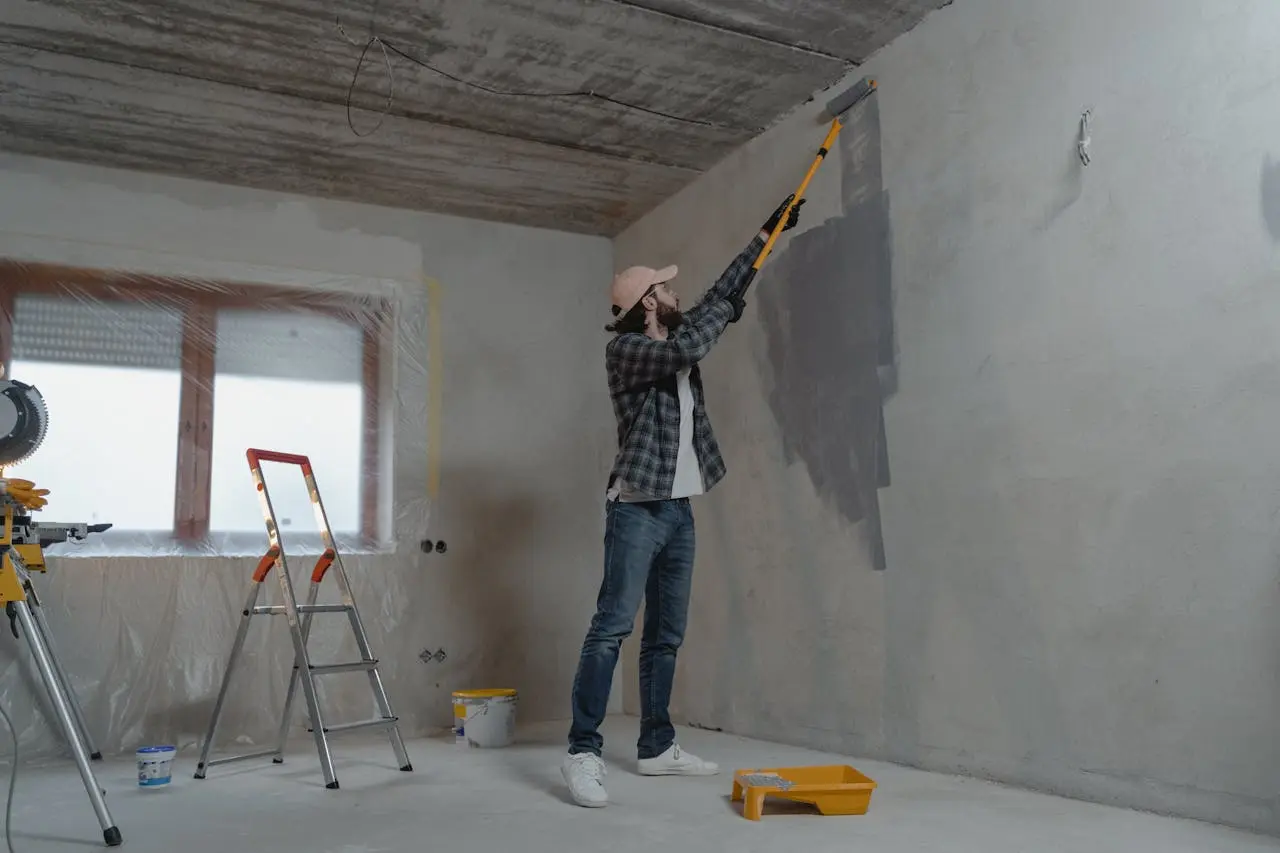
(676, 762)
(583, 772)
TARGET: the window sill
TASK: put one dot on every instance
(139, 544)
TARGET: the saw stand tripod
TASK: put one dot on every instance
(23, 607)
(299, 617)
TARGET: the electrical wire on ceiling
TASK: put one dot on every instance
(391, 85)
(388, 48)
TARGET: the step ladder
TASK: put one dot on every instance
(299, 616)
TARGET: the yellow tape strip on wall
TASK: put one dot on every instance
(435, 385)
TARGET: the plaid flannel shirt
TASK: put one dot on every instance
(642, 385)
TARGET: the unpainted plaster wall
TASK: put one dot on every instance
(146, 639)
(1081, 525)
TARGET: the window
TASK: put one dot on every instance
(156, 388)
(111, 377)
(286, 380)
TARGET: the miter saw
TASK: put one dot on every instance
(24, 421)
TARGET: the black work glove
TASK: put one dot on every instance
(738, 298)
(739, 305)
(793, 218)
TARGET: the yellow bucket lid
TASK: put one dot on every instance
(483, 694)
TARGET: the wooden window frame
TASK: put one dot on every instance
(199, 305)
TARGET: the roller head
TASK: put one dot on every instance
(851, 97)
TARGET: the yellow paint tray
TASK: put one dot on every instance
(835, 789)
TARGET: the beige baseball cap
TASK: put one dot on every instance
(630, 285)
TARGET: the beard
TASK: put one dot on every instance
(670, 318)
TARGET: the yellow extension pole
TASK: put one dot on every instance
(804, 185)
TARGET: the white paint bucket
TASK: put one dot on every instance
(155, 766)
(484, 718)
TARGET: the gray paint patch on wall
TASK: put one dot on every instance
(827, 310)
(1271, 197)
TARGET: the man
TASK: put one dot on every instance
(667, 453)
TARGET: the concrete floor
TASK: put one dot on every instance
(461, 799)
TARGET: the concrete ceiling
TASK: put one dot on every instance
(255, 92)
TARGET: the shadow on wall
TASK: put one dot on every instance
(1271, 197)
(828, 317)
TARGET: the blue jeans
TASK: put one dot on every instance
(648, 554)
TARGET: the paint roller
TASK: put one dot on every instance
(836, 108)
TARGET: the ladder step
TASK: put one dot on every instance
(343, 728)
(280, 609)
(354, 666)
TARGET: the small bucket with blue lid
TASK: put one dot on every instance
(155, 766)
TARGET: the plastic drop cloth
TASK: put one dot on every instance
(155, 387)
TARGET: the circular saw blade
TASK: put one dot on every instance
(24, 421)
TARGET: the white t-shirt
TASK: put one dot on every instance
(688, 479)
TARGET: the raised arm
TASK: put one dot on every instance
(637, 359)
(730, 281)
(734, 280)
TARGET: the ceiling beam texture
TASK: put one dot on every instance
(255, 92)
(840, 29)
(63, 107)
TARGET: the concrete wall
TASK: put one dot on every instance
(146, 639)
(1080, 523)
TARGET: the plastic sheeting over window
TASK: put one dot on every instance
(166, 382)
(155, 388)
(306, 370)
(66, 329)
(288, 345)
